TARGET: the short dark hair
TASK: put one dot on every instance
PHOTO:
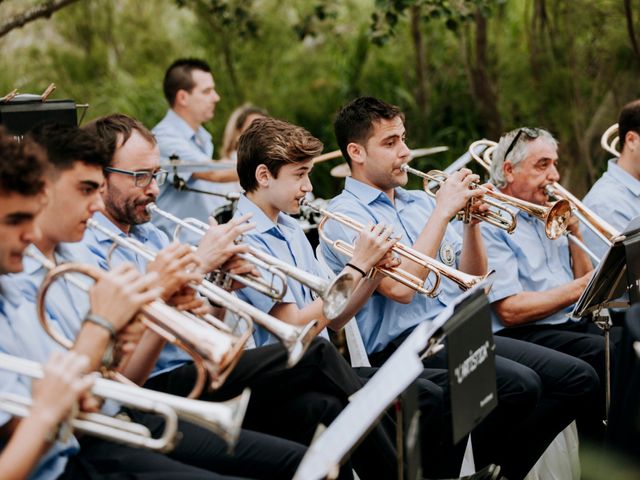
(629, 120)
(178, 77)
(23, 165)
(67, 144)
(354, 122)
(273, 143)
(112, 129)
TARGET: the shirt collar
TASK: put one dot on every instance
(623, 177)
(141, 232)
(183, 128)
(368, 194)
(262, 221)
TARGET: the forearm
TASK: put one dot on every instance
(143, 359)
(473, 258)
(92, 341)
(359, 296)
(27, 444)
(580, 260)
(218, 176)
(527, 307)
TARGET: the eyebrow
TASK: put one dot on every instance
(90, 183)
(18, 216)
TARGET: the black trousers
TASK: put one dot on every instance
(291, 402)
(539, 393)
(99, 459)
(585, 341)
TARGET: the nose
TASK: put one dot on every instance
(31, 233)
(216, 97)
(554, 175)
(306, 185)
(404, 151)
(97, 204)
(152, 189)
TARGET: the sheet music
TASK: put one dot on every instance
(365, 407)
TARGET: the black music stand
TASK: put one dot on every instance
(615, 276)
(365, 408)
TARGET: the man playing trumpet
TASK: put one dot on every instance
(115, 299)
(540, 279)
(371, 136)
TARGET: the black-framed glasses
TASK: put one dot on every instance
(142, 179)
(529, 132)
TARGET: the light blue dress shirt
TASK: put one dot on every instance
(382, 320)
(526, 260)
(616, 198)
(286, 241)
(175, 136)
(22, 336)
(99, 244)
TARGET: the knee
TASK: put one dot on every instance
(521, 387)
(582, 378)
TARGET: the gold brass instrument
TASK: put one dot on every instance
(555, 216)
(334, 293)
(223, 418)
(610, 140)
(295, 339)
(214, 352)
(497, 215)
(438, 269)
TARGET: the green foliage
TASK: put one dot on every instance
(567, 66)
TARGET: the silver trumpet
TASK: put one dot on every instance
(214, 352)
(276, 288)
(223, 419)
(295, 339)
(334, 293)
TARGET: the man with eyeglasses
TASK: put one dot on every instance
(538, 280)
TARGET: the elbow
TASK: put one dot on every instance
(402, 294)
(508, 317)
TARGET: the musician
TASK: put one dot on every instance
(76, 162)
(287, 402)
(190, 90)
(614, 196)
(540, 279)
(238, 122)
(371, 136)
(22, 198)
(274, 163)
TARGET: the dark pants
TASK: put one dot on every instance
(103, 460)
(585, 341)
(291, 402)
(539, 392)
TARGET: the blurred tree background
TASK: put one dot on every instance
(460, 69)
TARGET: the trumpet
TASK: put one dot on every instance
(464, 280)
(610, 140)
(223, 418)
(498, 216)
(555, 216)
(335, 293)
(214, 352)
(295, 339)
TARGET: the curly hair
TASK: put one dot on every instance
(23, 165)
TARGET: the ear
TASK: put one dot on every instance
(181, 97)
(632, 140)
(356, 152)
(263, 175)
(507, 169)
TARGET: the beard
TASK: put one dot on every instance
(125, 211)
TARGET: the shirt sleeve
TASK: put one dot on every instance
(504, 261)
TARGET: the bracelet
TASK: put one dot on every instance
(357, 269)
(101, 322)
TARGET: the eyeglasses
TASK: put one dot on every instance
(142, 179)
(529, 132)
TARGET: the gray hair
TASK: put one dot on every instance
(518, 153)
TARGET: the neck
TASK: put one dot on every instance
(263, 204)
(184, 115)
(47, 246)
(125, 227)
(389, 192)
(628, 164)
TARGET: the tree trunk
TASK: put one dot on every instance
(420, 63)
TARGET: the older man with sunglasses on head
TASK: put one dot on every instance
(539, 279)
